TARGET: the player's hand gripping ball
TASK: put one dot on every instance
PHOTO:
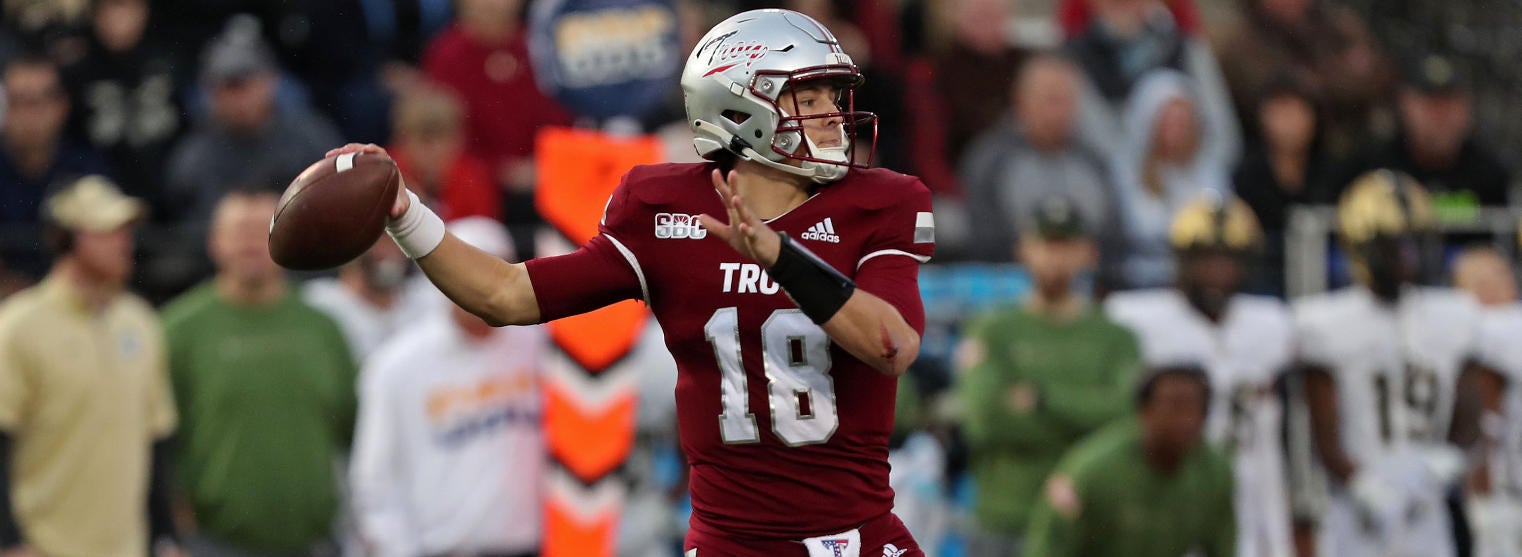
(335, 210)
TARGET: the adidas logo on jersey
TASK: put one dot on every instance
(676, 226)
(822, 231)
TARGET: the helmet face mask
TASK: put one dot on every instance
(1213, 240)
(747, 65)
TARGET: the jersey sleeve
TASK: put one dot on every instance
(1498, 348)
(902, 239)
(905, 227)
(601, 272)
(1310, 335)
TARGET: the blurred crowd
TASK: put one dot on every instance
(144, 144)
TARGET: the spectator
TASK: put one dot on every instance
(430, 151)
(1486, 275)
(84, 394)
(125, 90)
(1286, 169)
(247, 138)
(1142, 487)
(1126, 41)
(484, 58)
(1321, 39)
(1031, 155)
(975, 72)
(1164, 164)
(1435, 143)
(372, 297)
(35, 154)
(451, 462)
(266, 385)
(1038, 378)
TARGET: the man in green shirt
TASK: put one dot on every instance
(1145, 487)
(265, 386)
(1035, 379)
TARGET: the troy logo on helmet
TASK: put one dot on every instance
(727, 56)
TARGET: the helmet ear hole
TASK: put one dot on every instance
(734, 116)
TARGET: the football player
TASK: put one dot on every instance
(1494, 504)
(1245, 343)
(784, 274)
(1390, 375)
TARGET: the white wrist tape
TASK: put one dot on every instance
(419, 231)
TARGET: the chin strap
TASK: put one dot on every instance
(818, 172)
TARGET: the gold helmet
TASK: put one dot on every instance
(1383, 203)
(1379, 211)
(1215, 222)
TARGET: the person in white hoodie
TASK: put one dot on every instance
(448, 453)
(1167, 160)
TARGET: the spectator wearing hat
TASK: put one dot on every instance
(1031, 154)
(1435, 143)
(1144, 486)
(266, 386)
(85, 408)
(247, 138)
(34, 156)
(1036, 378)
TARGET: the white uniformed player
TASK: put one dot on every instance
(1244, 342)
(1494, 497)
(1384, 363)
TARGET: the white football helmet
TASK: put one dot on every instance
(732, 82)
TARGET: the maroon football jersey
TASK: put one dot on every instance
(785, 432)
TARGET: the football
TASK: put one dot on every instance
(334, 211)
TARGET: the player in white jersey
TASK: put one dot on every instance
(1244, 342)
(1389, 372)
(1494, 495)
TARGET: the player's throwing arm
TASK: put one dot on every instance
(495, 290)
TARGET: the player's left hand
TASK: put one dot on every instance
(745, 232)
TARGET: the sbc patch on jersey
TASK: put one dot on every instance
(678, 226)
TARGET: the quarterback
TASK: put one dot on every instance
(784, 274)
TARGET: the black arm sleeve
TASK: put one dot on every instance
(10, 532)
(160, 513)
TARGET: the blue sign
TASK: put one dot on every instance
(606, 58)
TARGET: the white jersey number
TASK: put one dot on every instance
(1416, 397)
(1239, 423)
(796, 357)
